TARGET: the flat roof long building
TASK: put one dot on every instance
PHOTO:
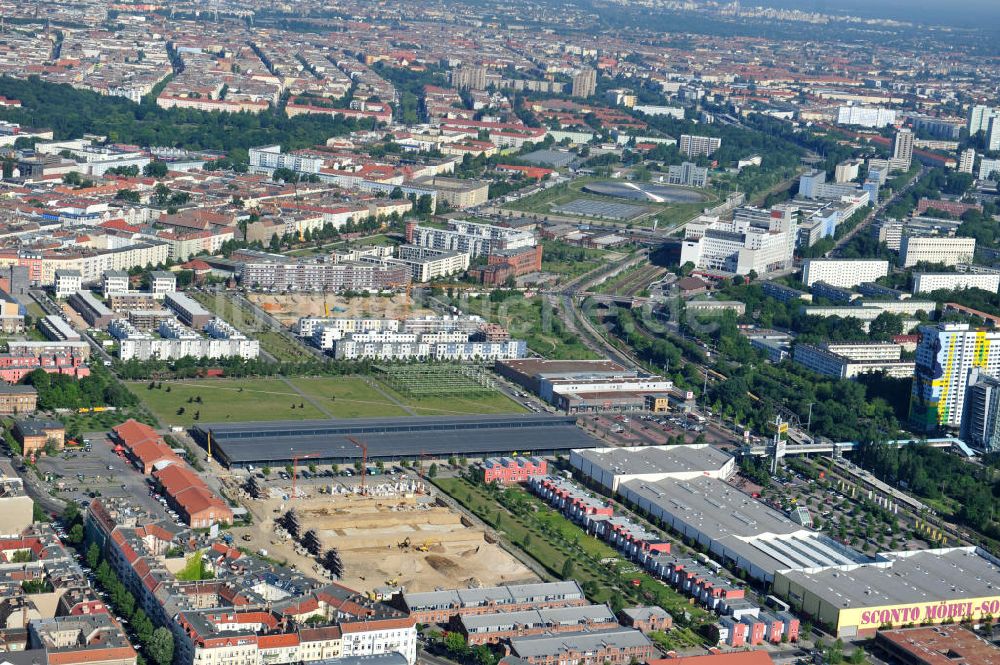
(735, 527)
(277, 442)
(900, 588)
(616, 646)
(439, 606)
(610, 467)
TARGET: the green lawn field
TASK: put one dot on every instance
(451, 405)
(242, 400)
(223, 400)
(347, 397)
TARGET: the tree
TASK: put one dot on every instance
(424, 204)
(93, 556)
(885, 326)
(432, 472)
(456, 644)
(128, 195)
(71, 513)
(161, 194)
(567, 569)
(161, 646)
(76, 534)
(155, 169)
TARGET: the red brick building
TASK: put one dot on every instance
(533, 172)
(13, 368)
(956, 208)
(143, 446)
(507, 470)
(647, 618)
(507, 264)
(191, 497)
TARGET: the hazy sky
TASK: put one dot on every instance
(951, 12)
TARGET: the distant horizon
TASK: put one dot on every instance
(959, 13)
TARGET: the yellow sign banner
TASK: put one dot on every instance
(935, 612)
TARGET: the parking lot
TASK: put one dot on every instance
(79, 475)
(655, 429)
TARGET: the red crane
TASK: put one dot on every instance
(295, 467)
(364, 460)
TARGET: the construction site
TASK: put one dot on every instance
(289, 308)
(389, 533)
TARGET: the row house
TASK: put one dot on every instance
(697, 580)
(631, 538)
(571, 499)
(686, 575)
(598, 518)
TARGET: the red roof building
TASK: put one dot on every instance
(191, 497)
(143, 445)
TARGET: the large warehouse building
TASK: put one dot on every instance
(736, 528)
(900, 588)
(326, 441)
(684, 486)
(609, 467)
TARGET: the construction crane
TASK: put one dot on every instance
(295, 467)
(364, 460)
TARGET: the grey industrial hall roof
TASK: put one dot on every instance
(740, 523)
(552, 616)
(913, 577)
(550, 645)
(279, 441)
(498, 595)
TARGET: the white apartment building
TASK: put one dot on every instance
(902, 307)
(687, 174)
(933, 249)
(364, 639)
(865, 350)
(845, 273)
(902, 150)
(268, 158)
(694, 146)
(865, 116)
(424, 263)
(848, 170)
(308, 325)
(993, 134)
(745, 244)
(825, 359)
(454, 346)
(967, 161)
(67, 283)
(926, 282)
(468, 237)
(946, 356)
(93, 264)
(176, 341)
(866, 312)
(114, 283)
(980, 117)
(988, 167)
(162, 282)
